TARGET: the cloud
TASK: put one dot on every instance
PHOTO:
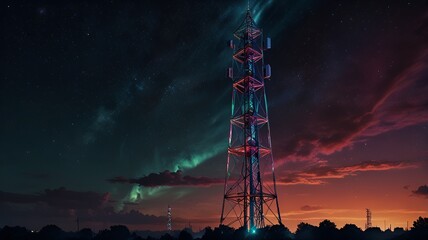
(319, 174)
(388, 103)
(132, 217)
(405, 101)
(168, 178)
(310, 208)
(60, 198)
(37, 215)
(60, 205)
(422, 191)
(346, 212)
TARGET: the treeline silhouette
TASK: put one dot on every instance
(326, 230)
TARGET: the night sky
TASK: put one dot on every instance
(111, 111)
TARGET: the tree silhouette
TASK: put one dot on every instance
(373, 233)
(85, 234)
(278, 232)
(327, 230)
(306, 231)
(240, 233)
(184, 235)
(420, 229)
(223, 232)
(351, 232)
(51, 232)
(420, 224)
(166, 236)
(10, 233)
(208, 234)
(118, 232)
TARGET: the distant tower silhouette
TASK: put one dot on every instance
(169, 223)
(250, 196)
(369, 218)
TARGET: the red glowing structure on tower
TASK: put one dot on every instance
(250, 196)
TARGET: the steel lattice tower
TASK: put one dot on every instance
(250, 196)
(368, 218)
(169, 223)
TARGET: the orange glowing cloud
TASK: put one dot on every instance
(317, 175)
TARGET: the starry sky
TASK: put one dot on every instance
(111, 111)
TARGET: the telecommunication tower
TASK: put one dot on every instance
(369, 218)
(169, 223)
(250, 196)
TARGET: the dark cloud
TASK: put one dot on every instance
(319, 174)
(422, 191)
(310, 208)
(60, 205)
(168, 178)
(68, 199)
(60, 198)
(37, 215)
(133, 217)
